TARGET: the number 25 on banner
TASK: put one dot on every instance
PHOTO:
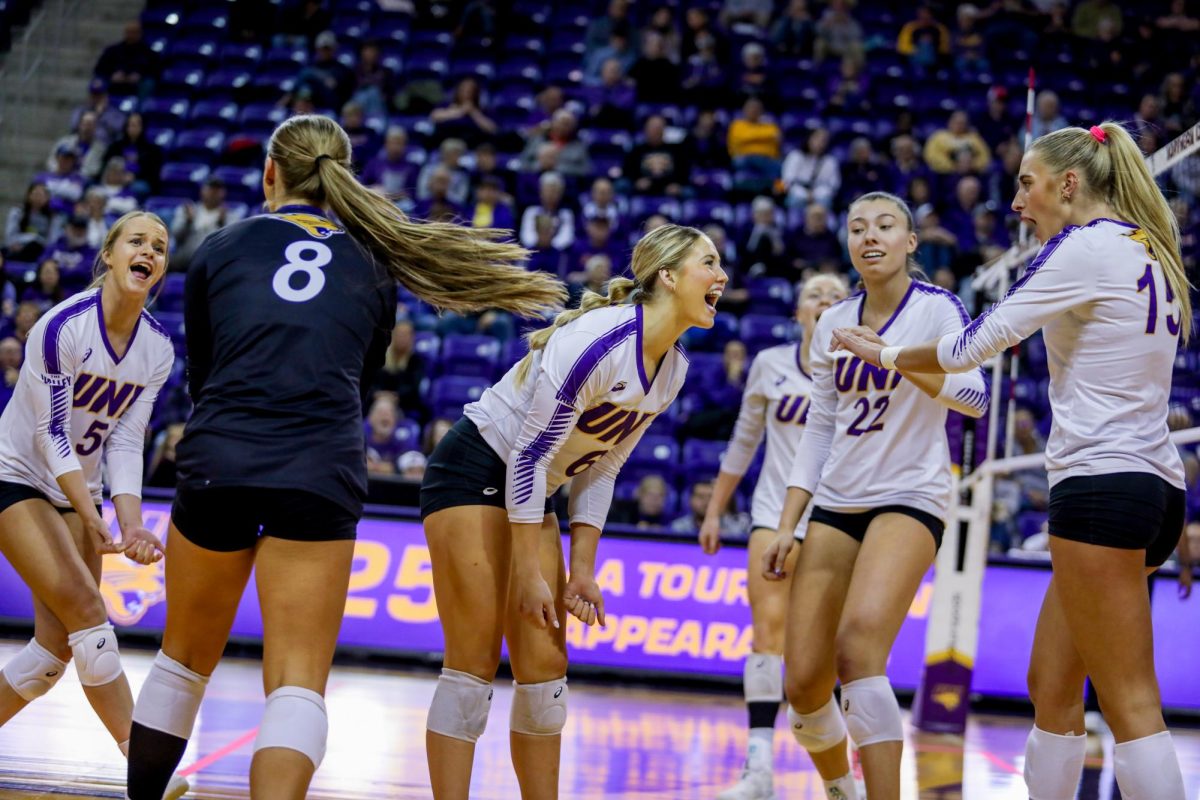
(413, 602)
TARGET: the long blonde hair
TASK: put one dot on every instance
(100, 268)
(663, 248)
(1115, 171)
(446, 265)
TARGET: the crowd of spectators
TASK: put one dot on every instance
(579, 126)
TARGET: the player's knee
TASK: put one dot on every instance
(460, 706)
(295, 719)
(81, 608)
(97, 659)
(819, 730)
(1048, 694)
(859, 651)
(871, 710)
(33, 671)
(543, 666)
(539, 709)
(805, 683)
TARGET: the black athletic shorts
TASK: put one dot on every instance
(1129, 510)
(230, 518)
(12, 493)
(855, 525)
(464, 470)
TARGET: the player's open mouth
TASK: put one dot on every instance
(872, 255)
(711, 299)
(141, 271)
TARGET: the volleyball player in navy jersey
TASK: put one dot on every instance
(572, 409)
(1109, 288)
(288, 315)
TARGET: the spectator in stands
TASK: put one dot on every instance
(848, 90)
(545, 103)
(434, 432)
(73, 253)
(1090, 15)
(696, 24)
(906, 165)
(754, 79)
(598, 240)
(193, 223)
(143, 158)
(11, 356)
(65, 183)
(649, 506)
(300, 102)
(746, 17)
(655, 77)
(438, 207)
(1148, 115)
(811, 173)
(302, 23)
(653, 222)
(551, 189)
(754, 147)
(162, 468)
(449, 158)
(838, 33)
(1046, 115)
(603, 201)
(594, 277)
(330, 82)
(662, 22)
(87, 142)
(814, 245)
(600, 29)
(487, 165)
(610, 102)
(1028, 489)
(464, 117)
(1003, 175)
(489, 211)
(109, 119)
(31, 225)
(795, 33)
(707, 145)
(944, 145)
(936, 246)
(129, 66)
(959, 218)
(390, 171)
(654, 166)
(412, 465)
(967, 44)
(477, 23)
(46, 290)
(998, 124)
(712, 414)
(98, 223)
(618, 49)
(374, 83)
(403, 371)
(1178, 109)
(24, 319)
(705, 81)
(572, 153)
(862, 171)
(364, 140)
(1176, 30)
(924, 41)
(733, 522)
(763, 250)
(545, 257)
(116, 183)
(383, 449)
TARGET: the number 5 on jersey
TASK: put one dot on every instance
(309, 268)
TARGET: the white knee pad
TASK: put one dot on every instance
(821, 730)
(539, 709)
(762, 678)
(170, 698)
(872, 713)
(460, 706)
(33, 671)
(295, 719)
(96, 658)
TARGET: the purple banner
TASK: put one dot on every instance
(670, 608)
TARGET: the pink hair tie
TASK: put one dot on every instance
(1098, 133)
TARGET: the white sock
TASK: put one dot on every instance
(844, 788)
(1148, 769)
(1053, 764)
(760, 751)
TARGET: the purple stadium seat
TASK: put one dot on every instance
(705, 370)
(703, 457)
(292, 58)
(702, 212)
(213, 114)
(209, 19)
(472, 355)
(226, 83)
(183, 179)
(391, 30)
(764, 330)
(641, 207)
(449, 393)
(1029, 523)
(408, 434)
(197, 145)
(164, 207)
(241, 55)
(512, 351)
(427, 344)
(179, 82)
(350, 29)
(173, 322)
(242, 184)
(196, 52)
(170, 297)
(163, 137)
(711, 184)
(261, 117)
(653, 455)
(724, 329)
(771, 295)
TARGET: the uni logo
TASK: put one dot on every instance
(317, 227)
(1138, 235)
(947, 696)
(129, 589)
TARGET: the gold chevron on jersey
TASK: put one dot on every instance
(317, 226)
(1141, 237)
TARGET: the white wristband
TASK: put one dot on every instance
(888, 356)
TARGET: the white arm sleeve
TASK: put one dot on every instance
(750, 427)
(1059, 279)
(50, 367)
(968, 392)
(592, 490)
(124, 451)
(817, 440)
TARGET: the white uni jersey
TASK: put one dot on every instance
(76, 401)
(1111, 328)
(582, 409)
(873, 438)
(775, 402)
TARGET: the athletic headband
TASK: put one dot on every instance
(1098, 133)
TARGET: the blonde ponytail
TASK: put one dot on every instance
(448, 266)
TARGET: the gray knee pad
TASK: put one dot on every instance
(460, 706)
(96, 658)
(539, 709)
(762, 678)
(170, 697)
(33, 671)
(872, 713)
(295, 719)
(821, 730)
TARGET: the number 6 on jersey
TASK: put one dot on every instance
(309, 267)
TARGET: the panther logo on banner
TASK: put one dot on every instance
(130, 589)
